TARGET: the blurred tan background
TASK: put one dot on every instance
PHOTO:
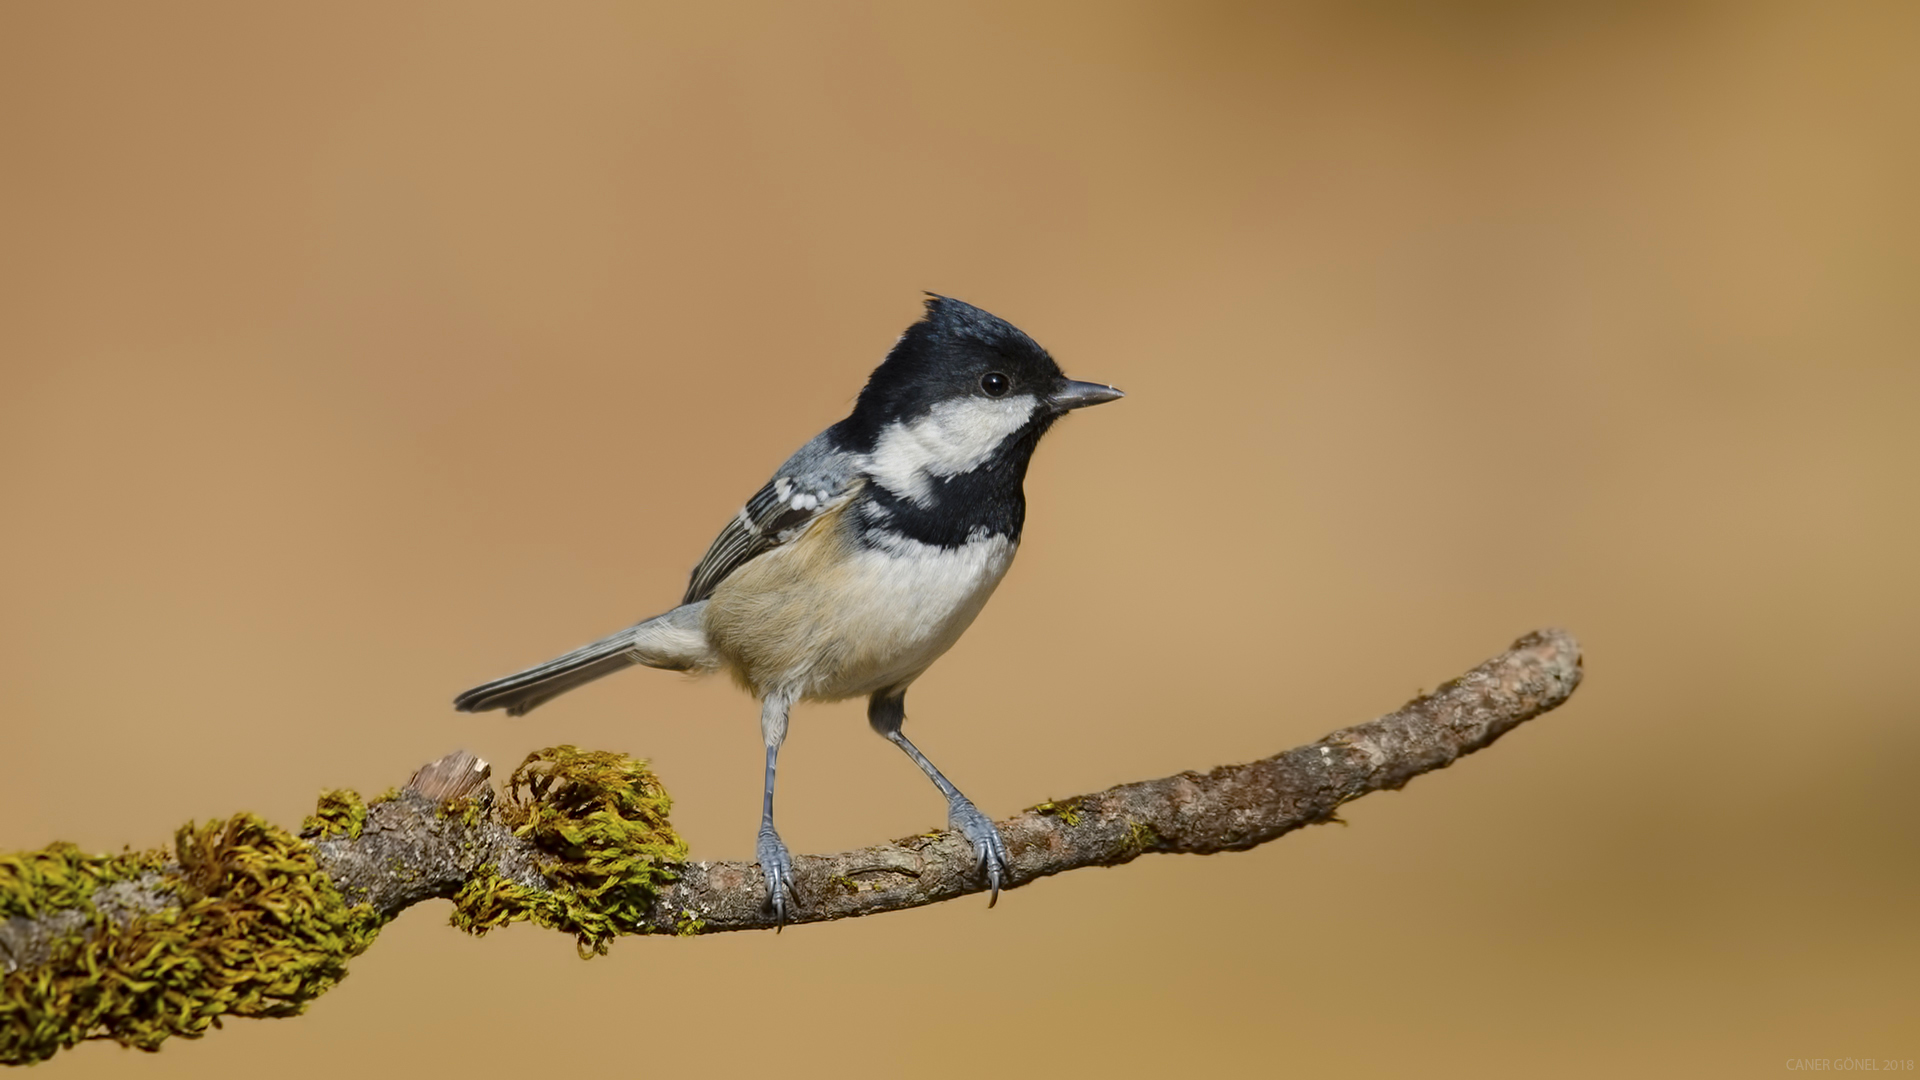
(353, 355)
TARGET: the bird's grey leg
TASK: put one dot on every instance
(775, 863)
(887, 711)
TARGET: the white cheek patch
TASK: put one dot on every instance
(956, 437)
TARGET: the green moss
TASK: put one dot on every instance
(844, 882)
(254, 929)
(1141, 835)
(341, 813)
(34, 883)
(489, 901)
(1068, 811)
(688, 924)
(469, 811)
(600, 822)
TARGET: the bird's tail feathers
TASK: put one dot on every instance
(674, 641)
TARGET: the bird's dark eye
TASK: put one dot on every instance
(995, 384)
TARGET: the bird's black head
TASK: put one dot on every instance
(948, 424)
(959, 354)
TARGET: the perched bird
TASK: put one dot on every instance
(864, 558)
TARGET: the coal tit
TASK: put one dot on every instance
(864, 558)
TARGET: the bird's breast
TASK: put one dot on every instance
(831, 616)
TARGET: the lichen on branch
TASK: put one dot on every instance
(238, 920)
(599, 821)
(241, 918)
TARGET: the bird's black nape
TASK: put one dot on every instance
(944, 356)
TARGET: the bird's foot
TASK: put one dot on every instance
(777, 866)
(966, 819)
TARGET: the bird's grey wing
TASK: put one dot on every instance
(814, 480)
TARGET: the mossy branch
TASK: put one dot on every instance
(241, 918)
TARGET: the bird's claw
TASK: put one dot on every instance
(991, 851)
(777, 866)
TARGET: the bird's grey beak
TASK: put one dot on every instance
(1077, 395)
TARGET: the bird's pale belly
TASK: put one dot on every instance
(828, 624)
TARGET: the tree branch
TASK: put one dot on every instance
(581, 843)
(1229, 808)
